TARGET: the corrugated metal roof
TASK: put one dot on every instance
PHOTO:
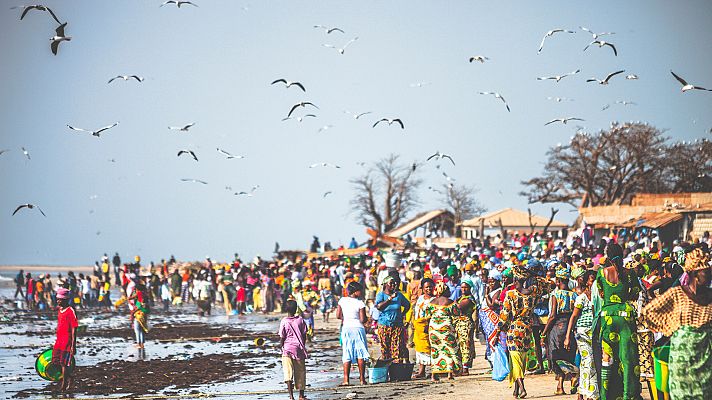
(656, 220)
(513, 217)
(415, 223)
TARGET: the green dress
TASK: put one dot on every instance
(620, 370)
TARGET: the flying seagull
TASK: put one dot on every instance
(605, 107)
(289, 83)
(434, 190)
(325, 127)
(559, 99)
(481, 59)
(182, 129)
(357, 115)
(327, 193)
(299, 119)
(439, 156)
(602, 43)
(549, 34)
(419, 84)
(498, 96)
(631, 77)
(329, 30)
(605, 81)
(228, 155)
(557, 78)
(564, 120)
(252, 191)
(301, 104)
(192, 154)
(58, 38)
(3, 151)
(39, 7)
(341, 50)
(126, 78)
(193, 180)
(26, 153)
(28, 206)
(323, 164)
(686, 86)
(594, 34)
(178, 3)
(448, 178)
(96, 133)
(626, 103)
(390, 122)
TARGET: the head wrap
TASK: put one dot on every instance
(577, 271)
(631, 264)
(451, 270)
(563, 272)
(468, 282)
(696, 260)
(62, 293)
(439, 288)
(519, 273)
(428, 274)
(387, 279)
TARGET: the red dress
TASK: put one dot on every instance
(62, 350)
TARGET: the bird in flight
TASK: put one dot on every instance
(356, 115)
(481, 59)
(498, 96)
(626, 103)
(325, 127)
(96, 133)
(602, 43)
(419, 84)
(58, 38)
(126, 78)
(686, 86)
(327, 193)
(596, 35)
(28, 206)
(190, 152)
(439, 156)
(193, 180)
(605, 107)
(434, 190)
(228, 155)
(329, 30)
(178, 3)
(26, 153)
(251, 192)
(557, 78)
(299, 119)
(564, 120)
(323, 164)
(301, 104)
(289, 83)
(3, 151)
(550, 34)
(390, 122)
(559, 99)
(605, 81)
(39, 7)
(182, 129)
(448, 177)
(631, 77)
(342, 49)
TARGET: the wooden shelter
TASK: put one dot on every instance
(509, 220)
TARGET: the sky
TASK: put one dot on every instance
(213, 65)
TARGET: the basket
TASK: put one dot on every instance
(661, 356)
(48, 370)
(400, 372)
(377, 375)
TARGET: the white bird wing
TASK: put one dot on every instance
(223, 152)
(78, 129)
(611, 75)
(541, 46)
(138, 78)
(349, 42)
(114, 78)
(449, 158)
(105, 128)
(679, 79)
(362, 114)
(552, 121)
(189, 125)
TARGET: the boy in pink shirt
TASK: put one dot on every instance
(293, 334)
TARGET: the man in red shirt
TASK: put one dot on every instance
(65, 347)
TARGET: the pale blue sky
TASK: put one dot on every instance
(212, 65)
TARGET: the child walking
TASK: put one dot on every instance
(293, 334)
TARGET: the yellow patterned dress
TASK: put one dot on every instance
(444, 347)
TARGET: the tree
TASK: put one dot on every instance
(461, 201)
(385, 194)
(609, 167)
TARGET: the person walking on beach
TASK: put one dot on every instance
(351, 311)
(117, 264)
(65, 347)
(19, 284)
(293, 335)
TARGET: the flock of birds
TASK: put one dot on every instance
(300, 111)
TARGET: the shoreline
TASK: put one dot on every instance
(47, 268)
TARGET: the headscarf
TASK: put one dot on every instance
(387, 279)
(62, 293)
(696, 260)
(563, 272)
(577, 271)
(468, 282)
(439, 288)
(520, 273)
(451, 270)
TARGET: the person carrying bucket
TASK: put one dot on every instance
(65, 347)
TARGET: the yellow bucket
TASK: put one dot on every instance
(259, 342)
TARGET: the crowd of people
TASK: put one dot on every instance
(588, 314)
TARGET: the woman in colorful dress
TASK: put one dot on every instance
(444, 348)
(489, 314)
(685, 314)
(420, 326)
(392, 304)
(464, 325)
(582, 321)
(561, 305)
(515, 320)
(615, 331)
